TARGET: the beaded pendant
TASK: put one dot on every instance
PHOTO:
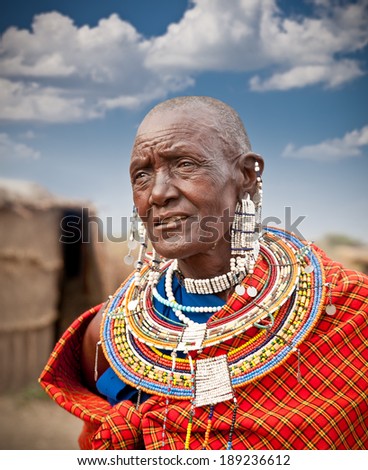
(212, 381)
(138, 341)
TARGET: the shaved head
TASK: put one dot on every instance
(226, 119)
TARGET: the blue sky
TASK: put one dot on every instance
(77, 77)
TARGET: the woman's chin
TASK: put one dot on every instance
(178, 248)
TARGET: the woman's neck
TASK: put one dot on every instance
(207, 265)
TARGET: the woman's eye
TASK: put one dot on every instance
(140, 175)
(185, 164)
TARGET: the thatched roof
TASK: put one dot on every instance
(16, 193)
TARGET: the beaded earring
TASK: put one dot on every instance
(247, 228)
(143, 240)
(243, 243)
(132, 239)
(137, 234)
(258, 199)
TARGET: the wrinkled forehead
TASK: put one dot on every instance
(194, 123)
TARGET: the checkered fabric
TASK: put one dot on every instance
(327, 409)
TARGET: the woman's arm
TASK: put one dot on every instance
(88, 355)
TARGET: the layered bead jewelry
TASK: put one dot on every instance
(278, 291)
(133, 332)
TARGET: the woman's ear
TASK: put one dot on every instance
(247, 164)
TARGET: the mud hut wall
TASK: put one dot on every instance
(30, 267)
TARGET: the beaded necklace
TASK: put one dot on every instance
(171, 302)
(131, 319)
(141, 344)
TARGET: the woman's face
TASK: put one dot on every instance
(185, 187)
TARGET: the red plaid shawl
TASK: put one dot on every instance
(328, 409)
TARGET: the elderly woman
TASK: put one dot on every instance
(228, 335)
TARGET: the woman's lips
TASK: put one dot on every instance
(168, 223)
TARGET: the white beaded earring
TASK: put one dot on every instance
(137, 234)
(243, 241)
(258, 199)
(143, 240)
(132, 239)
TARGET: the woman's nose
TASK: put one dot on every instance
(163, 190)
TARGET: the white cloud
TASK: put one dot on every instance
(160, 91)
(213, 35)
(30, 101)
(58, 72)
(332, 75)
(10, 149)
(254, 35)
(350, 145)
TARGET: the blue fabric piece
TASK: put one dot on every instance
(113, 388)
(109, 384)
